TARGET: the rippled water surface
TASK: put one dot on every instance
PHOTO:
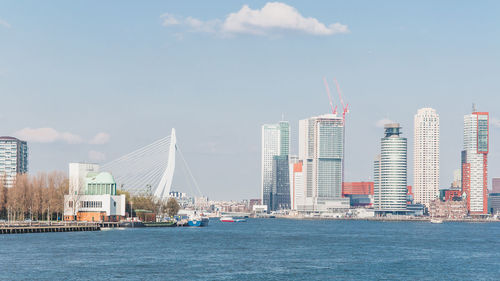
(260, 249)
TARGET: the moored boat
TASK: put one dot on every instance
(198, 221)
(232, 219)
(436, 220)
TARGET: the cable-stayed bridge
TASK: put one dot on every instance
(150, 169)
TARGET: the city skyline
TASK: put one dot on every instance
(95, 91)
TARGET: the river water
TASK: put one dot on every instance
(260, 249)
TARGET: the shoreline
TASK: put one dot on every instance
(385, 219)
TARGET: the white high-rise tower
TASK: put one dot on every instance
(426, 156)
(390, 170)
(321, 149)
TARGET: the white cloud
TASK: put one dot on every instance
(47, 135)
(202, 26)
(274, 16)
(100, 138)
(4, 23)
(169, 20)
(96, 156)
(50, 135)
(495, 122)
(380, 123)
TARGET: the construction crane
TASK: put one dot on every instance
(345, 108)
(334, 110)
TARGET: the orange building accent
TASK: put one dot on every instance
(90, 216)
(93, 217)
(357, 188)
(466, 182)
(485, 181)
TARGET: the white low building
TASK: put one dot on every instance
(92, 195)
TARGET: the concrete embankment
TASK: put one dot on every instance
(18, 228)
(386, 219)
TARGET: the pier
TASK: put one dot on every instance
(42, 227)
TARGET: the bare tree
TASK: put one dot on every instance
(172, 207)
(3, 198)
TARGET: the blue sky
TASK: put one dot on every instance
(106, 77)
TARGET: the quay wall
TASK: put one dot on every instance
(19, 228)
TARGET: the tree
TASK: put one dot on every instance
(127, 201)
(172, 207)
(3, 198)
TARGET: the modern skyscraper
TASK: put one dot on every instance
(275, 149)
(390, 173)
(13, 159)
(321, 148)
(475, 161)
(426, 156)
(280, 194)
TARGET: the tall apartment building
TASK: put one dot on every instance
(275, 182)
(13, 159)
(475, 161)
(321, 149)
(426, 156)
(390, 173)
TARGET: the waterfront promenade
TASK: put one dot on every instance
(42, 227)
(389, 219)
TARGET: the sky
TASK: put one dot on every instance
(93, 80)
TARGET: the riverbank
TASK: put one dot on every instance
(389, 219)
(43, 227)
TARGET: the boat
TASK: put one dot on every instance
(131, 224)
(436, 220)
(161, 224)
(231, 219)
(198, 221)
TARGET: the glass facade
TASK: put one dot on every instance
(475, 161)
(13, 159)
(100, 184)
(321, 146)
(390, 172)
(482, 133)
(275, 142)
(280, 195)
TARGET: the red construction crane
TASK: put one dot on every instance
(345, 108)
(334, 110)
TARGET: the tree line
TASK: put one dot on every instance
(41, 197)
(35, 197)
(149, 202)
